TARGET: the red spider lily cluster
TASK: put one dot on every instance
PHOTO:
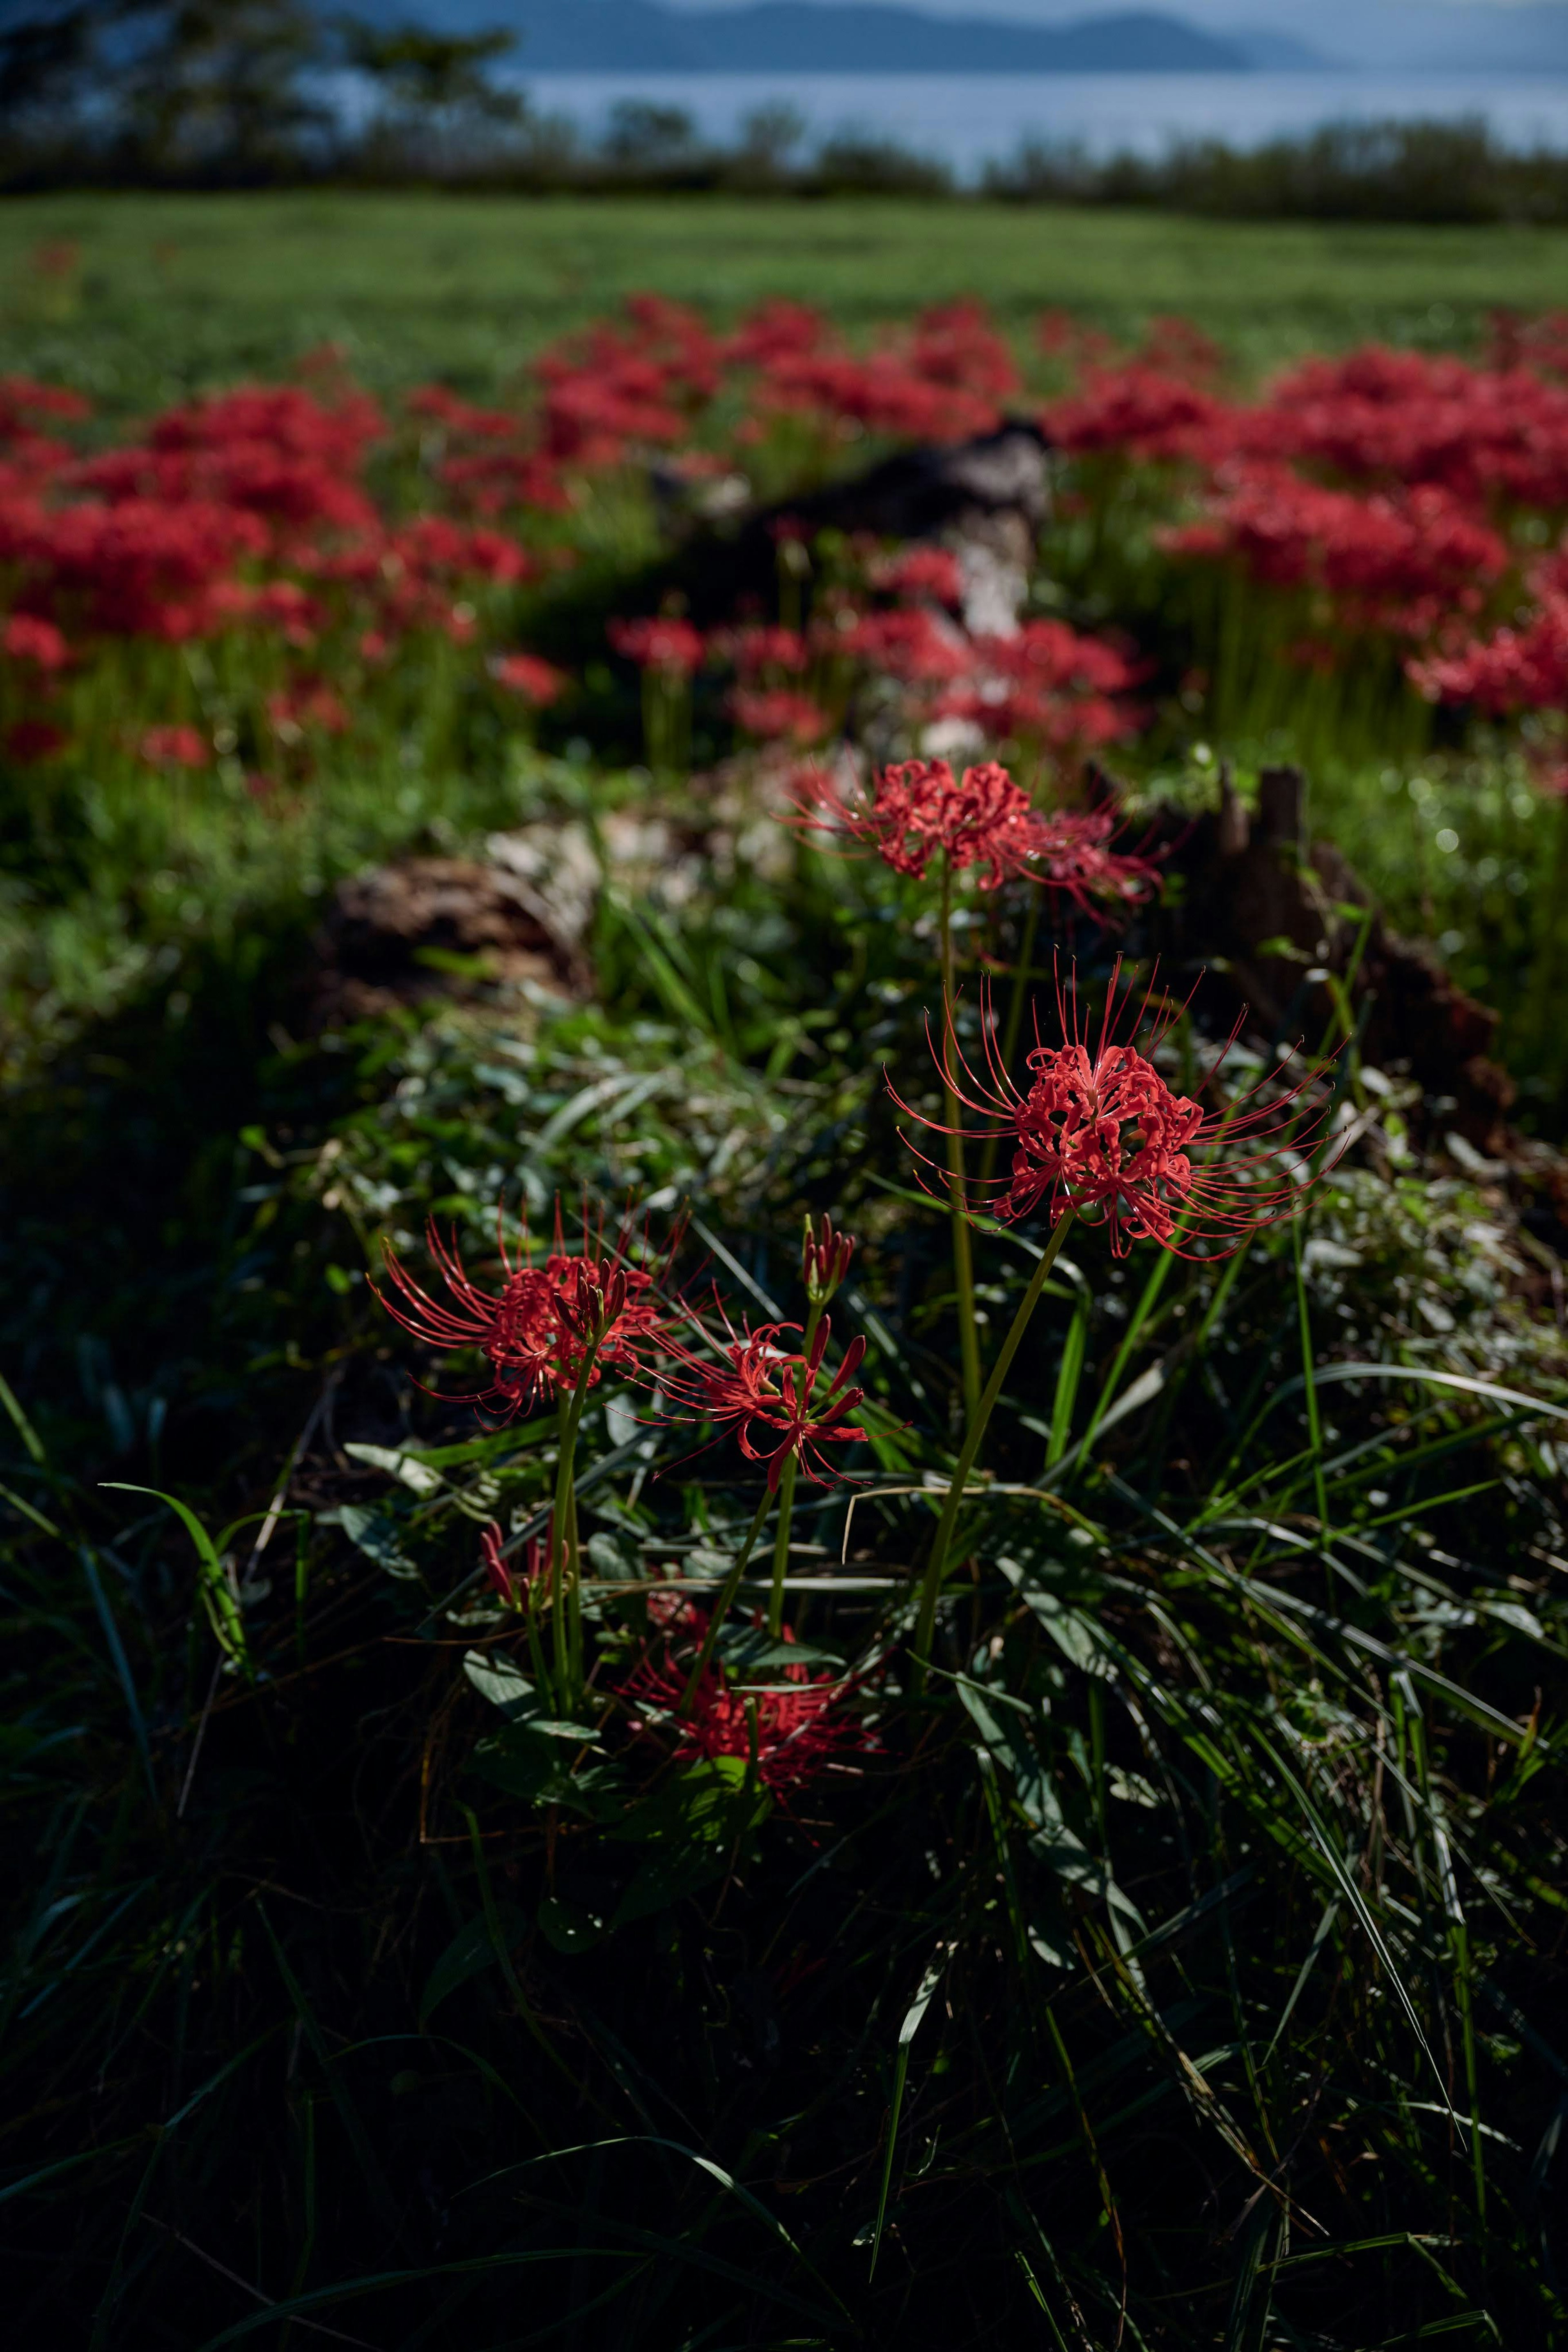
(788, 1727)
(1048, 687)
(247, 516)
(1383, 499)
(1388, 499)
(1408, 563)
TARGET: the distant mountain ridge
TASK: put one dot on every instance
(794, 37)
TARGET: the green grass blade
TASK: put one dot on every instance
(121, 1666)
(906, 2033)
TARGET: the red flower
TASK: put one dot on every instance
(931, 572)
(545, 1322)
(1074, 855)
(769, 1396)
(672, 646)
(762, 647)
(1522, 668)
(776, 714)
(983, 820)
(27, 638)
(34, 738)
(173, 747)
(824, 1259)
(796, 1725)
(524, 674)
(918, 807)
(1098, 1132)
(498, 1575)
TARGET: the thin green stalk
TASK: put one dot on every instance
(781, 1547)
(562, 1552)
(726, 1593)
(1134, 1333)
(1015, 1015)
(786, 1496)
(1314, 1418)
(935, 1565)
(963, 1250)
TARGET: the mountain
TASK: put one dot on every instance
(800, 37)
(1272, 52)
(1390, 37)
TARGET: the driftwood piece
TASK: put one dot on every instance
(987, 499)
(1278, 911)
(428, 927)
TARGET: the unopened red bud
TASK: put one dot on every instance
(498, 1573)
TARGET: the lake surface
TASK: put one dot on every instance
(968, 119)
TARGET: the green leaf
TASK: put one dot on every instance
(24, 1427)
(503, 1684)
(567, 1926)
(417, 1475)
(376, 1534)
(906, 2033)
(666, 1875)
(751, 1649)
(709, 1803)
(535, 1767)
(221, 1607)
(470, 1951)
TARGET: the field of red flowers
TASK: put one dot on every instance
(268, 593)
(782, 1496)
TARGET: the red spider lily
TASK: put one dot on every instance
(174, 747)
(1405, 562)
(1074, 855)
(795, 1727)
(511, 1588)
(1487, 435)
(1136, 409)
(824, 1260)
(778, 716)
(34, 738)
(914, 571)
(918, 807)
(982, 820)
(759, 648)
(308, 705)
(592, 1308)
(768, 1395)
(668, 646)
(526, 676)
(29, 640)
(1522, 668)
(1098, 1132)
(913, 645)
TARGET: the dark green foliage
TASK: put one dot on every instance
(1186, 1925)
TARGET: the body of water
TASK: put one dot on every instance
(968, 119)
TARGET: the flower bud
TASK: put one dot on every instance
(824, 1260)
(498, 1573)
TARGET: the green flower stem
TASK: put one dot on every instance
(726, 1593)
(787, 1499)
(963, 1250)
(935, 1565)
(562, 1551)
(781, 1547)
(573, 1589)
(1015, 1014)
